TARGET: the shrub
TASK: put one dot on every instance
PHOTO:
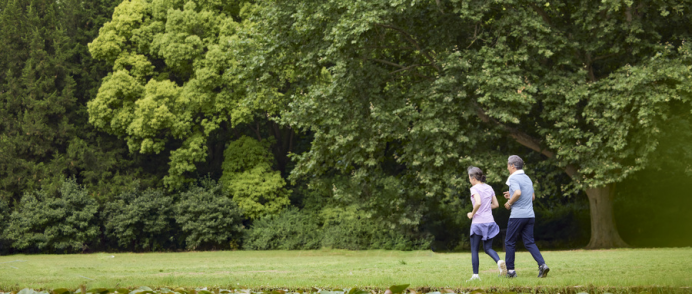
(291, 229)
(61, 221)
(141, 220)
(562, 226)
(4, 215)
(208, 217)
(332, 228)
(248, 176)
(353, 230)
(4, 219)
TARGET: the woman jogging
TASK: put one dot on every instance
(483, 226)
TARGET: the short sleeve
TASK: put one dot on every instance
(473, 192)
(513, 184)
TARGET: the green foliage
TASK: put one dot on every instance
(292, 229)
(141, 220)
(346, 229)
(208, 217)
(4, 219)
(383, 79)
(247, 175)
(419, 90)
(173, 79)
(4, 215)
(65, 220)
(46, 77)
(562, 225)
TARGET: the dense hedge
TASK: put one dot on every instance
(205, 217)
(295, 229)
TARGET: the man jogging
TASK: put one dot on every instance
(521, 220)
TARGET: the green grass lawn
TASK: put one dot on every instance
(609, 270)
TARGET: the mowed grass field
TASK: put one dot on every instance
(623, 269)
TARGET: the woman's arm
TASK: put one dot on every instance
(494, 204)
(477, 205)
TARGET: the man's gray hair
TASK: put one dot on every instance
(515, 161)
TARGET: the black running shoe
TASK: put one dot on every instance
(511, 274)
(543, 271)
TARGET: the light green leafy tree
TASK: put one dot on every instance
(421, 89)
(63, 221)
(248, 176)
(173, 80)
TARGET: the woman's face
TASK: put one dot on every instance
(471, 179)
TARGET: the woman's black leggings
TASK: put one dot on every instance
(487, 246)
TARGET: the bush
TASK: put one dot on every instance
(208, 217)
(141, 220)
(4, 219)
(562, 226)
(248, 176)
(61, 221)
(331, 228)
(353, 230)
(291, 229)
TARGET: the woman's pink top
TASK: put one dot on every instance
(484, 213)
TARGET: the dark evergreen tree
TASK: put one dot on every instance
(46, 77)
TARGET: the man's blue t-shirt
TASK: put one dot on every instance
(522, 208)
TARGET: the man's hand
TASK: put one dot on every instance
(506, 195)
(470, 215)
(508, 205)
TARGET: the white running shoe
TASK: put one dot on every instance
(502, 266)
(473, 278)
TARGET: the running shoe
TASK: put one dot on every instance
(543, 271)
(473, 278)
(502, 266)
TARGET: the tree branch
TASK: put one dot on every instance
(409, 67)
(523, 139)
(542, 13)
(604, 56)
(259, 137)
(439, 6)
(402, 68)
(413, 42)
(387, 62)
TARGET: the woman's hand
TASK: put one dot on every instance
(470, 215)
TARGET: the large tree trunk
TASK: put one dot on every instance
(604, 233)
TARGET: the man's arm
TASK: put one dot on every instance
(533, 198)
(513, 199)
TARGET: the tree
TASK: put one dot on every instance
(47, 76)
(420, 89)
(173, 85)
